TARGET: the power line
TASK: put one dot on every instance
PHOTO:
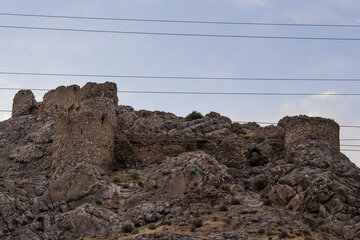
(180, 34)
(181, 77)
(237, 93)
(179, 21)
(210, 93)
(349, 150)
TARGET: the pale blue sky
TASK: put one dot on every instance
(41, 51)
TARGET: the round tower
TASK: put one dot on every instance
(316, 131)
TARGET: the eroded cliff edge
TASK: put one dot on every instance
(79, 165)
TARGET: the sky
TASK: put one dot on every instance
(121, 54)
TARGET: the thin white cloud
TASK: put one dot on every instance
(327, 11)
(249, 3)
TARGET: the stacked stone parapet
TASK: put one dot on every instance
(63, 98)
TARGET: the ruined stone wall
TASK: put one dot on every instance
(85, 124)
(320, 132)
(24, 103)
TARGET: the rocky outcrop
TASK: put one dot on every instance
(77, 166)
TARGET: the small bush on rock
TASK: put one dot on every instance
(260, 184)
(223, 208)
(197, 223)
(228, 220)
(165, 172)
(193, 116)
(235, 201)
(127, 228)
(168, 222)
(267, 202)
(152, 226)
(283, 234)
(135, 175)
(226, 187)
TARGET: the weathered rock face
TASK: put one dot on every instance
(78, 166)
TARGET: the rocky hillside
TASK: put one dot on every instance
(79, 166)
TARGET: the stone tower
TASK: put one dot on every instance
(24, 103)
(302, 132)
(85, 124)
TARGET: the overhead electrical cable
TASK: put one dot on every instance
(181, 77)
(208, 93)
(174, 34)
(179, 21)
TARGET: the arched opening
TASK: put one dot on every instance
(255, 158)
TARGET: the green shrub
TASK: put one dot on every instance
(168, 222)
(189, 145)
(228, 220)
(197, 223)
(235, 201)
(283, 234)
(264, 196)
(135, 175)
(260, 184)
(226, 187)
(223, 208)
(193, 171)
(166, 172)
(261, 231)
(152, 226)
(193, 116)
(259, 139)
(127, 228)
(267, 202)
